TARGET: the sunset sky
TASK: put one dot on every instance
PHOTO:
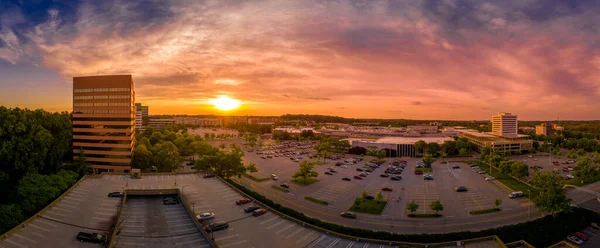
(356, 58)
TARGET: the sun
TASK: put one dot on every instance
(225, 103)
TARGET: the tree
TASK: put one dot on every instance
(434, 148)
(584, 168)
(372, 151)
(308, 134)
(381, 154)
(463, 152)
(81, 165)
(166, 157)
(556, 151)
(305, 171)
(251, 168)
(519, 169)
(596, 157)
(142, 158)
(552, 197)
(428, 159)
(322, 147)
(364, 194)
(420, 146)
(497, 202)
(572, 153)
(581, 152)
(436, 206)
(206, 135)
(10, 216)
(379, 196)
(222, 146)
(505, 167)
(412, 206)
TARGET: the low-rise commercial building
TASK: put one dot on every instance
(397, 146)
(548, 129)
(513, 143)
(159, 124)
(199, 121)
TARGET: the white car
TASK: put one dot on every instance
(489, 178)
(575, 240)
(274, 177)
(570, 176)
(205, 216)
(475, 167)
(343, 166)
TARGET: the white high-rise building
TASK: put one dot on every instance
(505, 125)
(138, 119)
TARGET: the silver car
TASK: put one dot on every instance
(206, 216)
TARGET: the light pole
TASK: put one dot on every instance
(549, 154)
(193, 208)
(491, 155)
(529, 206)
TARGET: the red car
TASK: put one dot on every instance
(581, 236)
(242, 201)
(418, 173)
(386, 189)
(358, 177)
(259, 212)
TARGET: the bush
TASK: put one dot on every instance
(315, 200)
(253, 178)
(282, 189)
(485, 211)
(540, 232)
(368, 206)
(424, 215)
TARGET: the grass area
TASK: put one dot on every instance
(315, 200)
(253, 178)
(577, 181)
(424, 215)
(485, 211)
(282, 189)
(320, 162)
(424, 169)
(513, 184)
(362, 205)
(300, 181)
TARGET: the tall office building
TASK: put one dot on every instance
(505, 125)
(103, 121)
(141, 116)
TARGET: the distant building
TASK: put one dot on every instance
(138, 120)
(158, 124)
(263, 120)
(514, 143)
(548, 129)
(197, 121)
(528, 130)
(398, 146)
(505, 125)
(422, 129)
(144, 111)
(103, 121)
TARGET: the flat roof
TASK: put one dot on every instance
(412, 140)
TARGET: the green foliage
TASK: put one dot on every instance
(485, 211)
(10, 215)
(581, 152)
(305, 171)
(363, 205)
(519, 169)
(412, 206)
(36, 191)
(556, 151)
(253, 178)
(142, 158)
(552, 197)
(420, 146)
(379, 196)
(436, 206)
(572, 153)
(225, 164)
(80, 166)
(364, 194)
(428, 159)
(497, 202)
(166, 156)
(434, 148)
(585, 169)
(251, 168)
(551, 228)
(315, 200)
(596, 159)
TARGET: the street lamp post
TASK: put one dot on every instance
(529, 206)
(194, 208)
(491, 155)
(549, 154)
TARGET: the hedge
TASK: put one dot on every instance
(253, 178)
(485, 211)
(315, 200)
(541, 232)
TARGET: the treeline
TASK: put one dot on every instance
(565, 141)
(250, 128)
(35, 148)
(458, 147)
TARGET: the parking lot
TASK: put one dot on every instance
(147, 222)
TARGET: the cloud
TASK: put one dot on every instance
(500, 55)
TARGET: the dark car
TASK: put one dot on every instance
(332, 171)
(418, 172)
(91, 237)
(461, 189)
(170, 201)
(346, 179)
(386, 189)
(339, 164)
(396, 178)
(115, 194)
(384, 175)
(359, 169)
(369, 170)
(208, 176)
(455, 167)
(358, 177)
(251, 209)
(217, 226)
(285, 185)
(328, 173)
(369, 197)
(428, 178)
(348, 215)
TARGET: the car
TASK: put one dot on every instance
(170, 201)
(490, 178)
(455, 167)
(581, 236)
(115, 194)
(363, 174)
(384, 175)
(343, 166)
(359, 169)
(358, 177)
(208, 176)
(259, 212)
(251, 209)
(461, 189)
(481, 172)
(595, 226)
(263, 157)
(329, 168)
(475, 167)
(369, 170)
(575, 240)
(243, 201)
(205, 216)
(274, 177)
(348, 215)
(386, 189)
(396, 178)
(285, 185)
(369, 197)
(216, 226)
(332, 171)
(428, 178)
(418, 172)
(570, 176)
(346, 179)
(328, 173)
(91, 237)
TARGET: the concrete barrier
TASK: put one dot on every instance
(199, 225)
(360, 239)
(519, 244)
(39, 213)
(112, 241)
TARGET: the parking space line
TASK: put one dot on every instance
(15, 243)
(64, 206)
(234, 243)
(54, 213)
(106, 209)
(37, 234)
(317, 241)
(230, 194)
(24, 238)
(350, 244)
(285, 228)
(189, 242)
(276, 224)
(63, 210)
(295, 232)
(333, 243)
(275, 217)
(305, 237)
(39, 227)
(366, 245)
(227, 237)
(69, 201)
(46, 223)
(188, 224)
(98, 218)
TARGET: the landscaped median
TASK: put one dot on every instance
(315, 200)
(424, 215)
(540, 232)
(282, 189)
(368, 206)
(424, 170)
(253, 178)
(303, 182)
(485, 211)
